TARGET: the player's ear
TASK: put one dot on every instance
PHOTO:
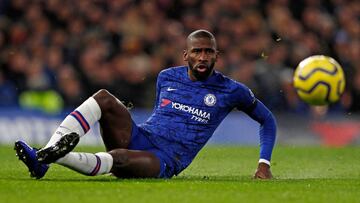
(185, 55)
(217, 55)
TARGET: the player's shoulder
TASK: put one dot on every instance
(240, 93)
(230, 82)
(173, 71)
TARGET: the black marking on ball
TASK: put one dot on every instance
(327, 98)
(318, 69)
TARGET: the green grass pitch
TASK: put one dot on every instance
(218, 174)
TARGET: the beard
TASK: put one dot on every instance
(201, 71)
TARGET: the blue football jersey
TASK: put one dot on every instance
(187, 112)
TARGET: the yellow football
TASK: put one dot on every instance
(319, 80)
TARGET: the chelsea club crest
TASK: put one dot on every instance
(210, 100)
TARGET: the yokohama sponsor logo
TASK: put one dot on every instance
(196, 114)
(194, 111)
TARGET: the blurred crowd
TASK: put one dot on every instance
(56, 53)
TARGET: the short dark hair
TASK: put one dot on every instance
(201, 34)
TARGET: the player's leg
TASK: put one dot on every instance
(115, 121)
(123, 163)
(64, 139)
(79, 121)
(116, 125)
(141, 159)
(87, 163)
(135, 164)
(67, 135)
(115, 118)
(117, 128)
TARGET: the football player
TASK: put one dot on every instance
(191, 102)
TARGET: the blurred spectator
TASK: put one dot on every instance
(73, 48)
(39, 92)
(268, 75)
(48, 101)
(70, 86)
(355, 92)
(8, 92)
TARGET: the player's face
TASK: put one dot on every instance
(201, 55)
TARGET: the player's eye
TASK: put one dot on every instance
(209, 51)
(196, 51)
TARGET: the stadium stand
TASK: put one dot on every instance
(73, 48)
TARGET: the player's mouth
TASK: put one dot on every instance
(201, 68)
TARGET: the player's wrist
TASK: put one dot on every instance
(264, 161)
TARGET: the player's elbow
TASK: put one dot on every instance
(270, 120)
(268, 127)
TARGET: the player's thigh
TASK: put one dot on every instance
(115, 121)
(135, 164)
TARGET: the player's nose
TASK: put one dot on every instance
(203, 56)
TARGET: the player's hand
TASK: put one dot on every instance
(263, 172)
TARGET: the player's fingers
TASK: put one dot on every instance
(261, 175)
(258, 175)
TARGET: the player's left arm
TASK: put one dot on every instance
(260, 113)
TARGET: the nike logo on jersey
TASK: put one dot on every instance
(170, 89)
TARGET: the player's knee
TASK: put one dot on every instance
(130, 164)
(120, 157)
(120, 160)
(105, 99)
